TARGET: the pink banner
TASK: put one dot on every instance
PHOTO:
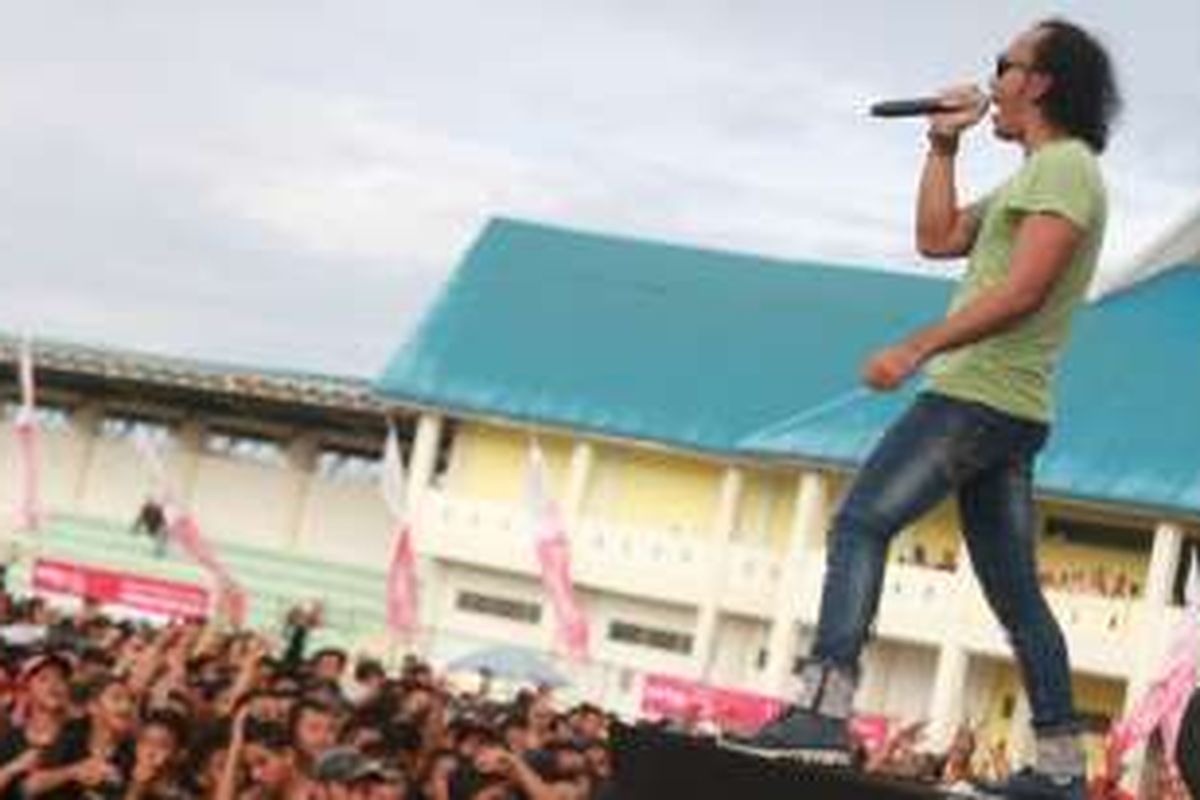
(1162, 705)
(729, 709)
(185, 531)
(665, 696)
(402, 584)
(401, 591)
(139, 592)
(554, 557)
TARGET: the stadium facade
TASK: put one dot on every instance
(698, 416)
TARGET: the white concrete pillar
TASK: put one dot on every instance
(190, 441)
(1021, 747)
(85, 425)
(1164, 564)
(302, 465)
(808, 528)
(1150, 640)
(421, 462)
(579, 476)
(949, 689)
(422, 459)
(1151, 634)
(729, 501)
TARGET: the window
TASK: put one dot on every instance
(1101, 535)
(49, 417)
(1189, 551)
(246, 447)
(445, 453)
(349, 467)
(119, 426)
(1101, 557)
(658, 638)
(493, 606)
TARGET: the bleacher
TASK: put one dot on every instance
(274, 580)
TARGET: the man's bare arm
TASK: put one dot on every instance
(943, 228)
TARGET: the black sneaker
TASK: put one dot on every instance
(800, 735)
(1029, 784)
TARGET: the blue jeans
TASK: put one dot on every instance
(985, 457)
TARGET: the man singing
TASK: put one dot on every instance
(1032, 245)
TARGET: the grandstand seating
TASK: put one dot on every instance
(274, 580)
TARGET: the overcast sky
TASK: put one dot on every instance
(288, 183)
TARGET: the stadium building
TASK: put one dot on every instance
(699, 417)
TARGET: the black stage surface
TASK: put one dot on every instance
(653, 765)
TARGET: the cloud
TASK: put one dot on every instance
(289, 184)
(356, 184)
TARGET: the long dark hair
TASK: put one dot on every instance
(1083, 98)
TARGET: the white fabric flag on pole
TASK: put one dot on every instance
(184, 530)
(554, 556)
(402, 607)
(29, 508)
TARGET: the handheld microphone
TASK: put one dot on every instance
(915, 107)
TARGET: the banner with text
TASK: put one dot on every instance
(142, 593)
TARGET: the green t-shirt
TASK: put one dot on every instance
(1014, 371)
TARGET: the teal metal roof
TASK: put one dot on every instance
(626, 338)
(739, 355)
(1127, 429)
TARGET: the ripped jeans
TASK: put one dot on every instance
(985, 458)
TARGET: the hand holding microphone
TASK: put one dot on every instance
(949, 112)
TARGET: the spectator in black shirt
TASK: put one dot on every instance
(92, 756)
(158, 756)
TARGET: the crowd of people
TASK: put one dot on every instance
(92, 707)
(100, 708)
(1101, 580)
(967, 760)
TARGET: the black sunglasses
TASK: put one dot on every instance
(1004, 64)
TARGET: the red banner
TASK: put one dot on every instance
(729, 709)
(109, 587)
(735, 710)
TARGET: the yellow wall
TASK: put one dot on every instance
(1097, 696)
(1093, 695)
(670, 491)
(1005, 689)
(937, 533)
(643, 488)
(768, 508)
(489, 462)
(628, 485)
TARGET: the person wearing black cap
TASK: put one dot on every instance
(345, 773)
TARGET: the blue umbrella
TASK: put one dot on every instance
(511, 663)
